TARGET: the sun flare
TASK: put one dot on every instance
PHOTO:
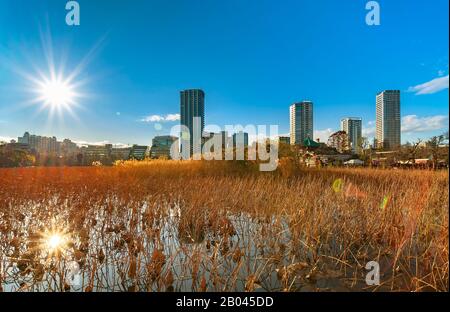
(57, 93)
(55, 241)
(56, 88)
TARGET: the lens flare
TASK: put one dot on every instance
(385, 202)
(54, 87)
(338, 185)
(57, 93)
(54, 241)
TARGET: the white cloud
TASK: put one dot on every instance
(172, 117)
(369, 130)
(116, 145)
(441, 73)
(6, 139)
(159, 118)
(256, 138)
(262, 137)
(152, 118)
(323, 135)
(430, 87)
(412, 123)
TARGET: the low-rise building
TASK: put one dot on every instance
(339, 141)
(122, 153)
(284, 140)
(139, 152)
(17, 147)
(161, 146)
(98, 151)
(224, 138)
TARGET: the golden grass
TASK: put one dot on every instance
(224, 226)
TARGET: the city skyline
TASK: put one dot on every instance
(133, 95)
(192, 104)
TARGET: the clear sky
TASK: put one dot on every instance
(252, 58)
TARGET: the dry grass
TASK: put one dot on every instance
(223, 226)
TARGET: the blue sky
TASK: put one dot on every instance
(252, 59)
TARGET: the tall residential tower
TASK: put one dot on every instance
(192, 104)
(353, 127)
(301, 122)
(388, 131)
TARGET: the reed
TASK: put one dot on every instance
(222, 226)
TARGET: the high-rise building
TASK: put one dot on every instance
(192, 104)
(225, 139)
(301, 115)
(353, 127)
(240, 139)
(41, 144)
(67, 147)
(25, 139)
(388, 119)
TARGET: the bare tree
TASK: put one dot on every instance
(434, 144)
(363, 145)
(413, 149)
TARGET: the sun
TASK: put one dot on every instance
(56, 88)
(57, 93)
(54, 242)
